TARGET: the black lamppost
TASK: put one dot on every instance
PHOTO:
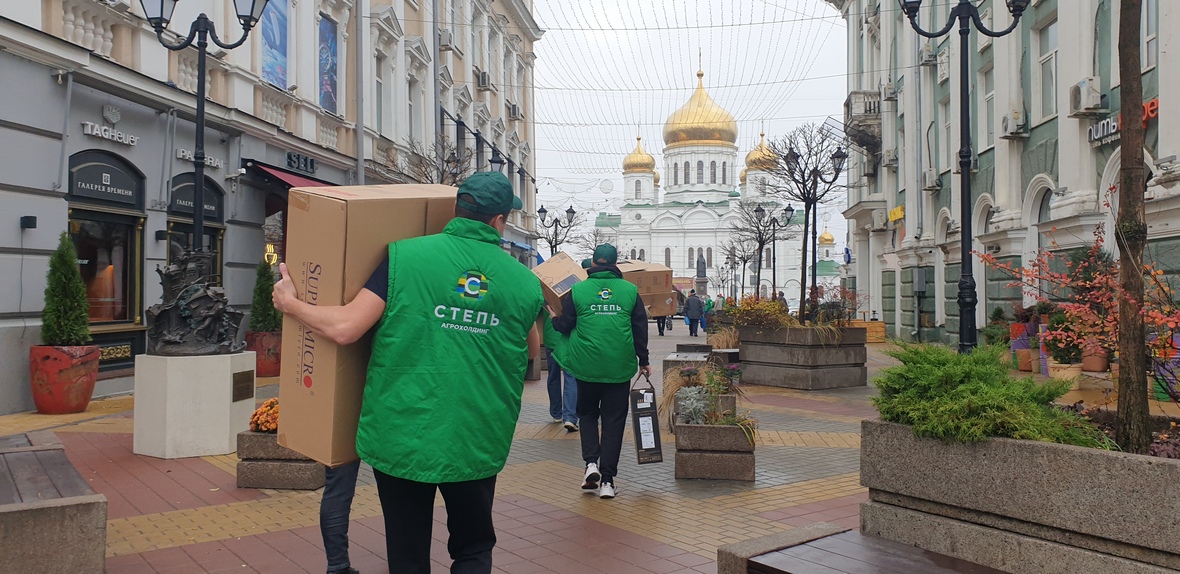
(556, 225)
(788, 213)
(808, 183)
(497, 160)
(966, 13)
(159, 13)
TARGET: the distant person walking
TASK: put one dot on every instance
(563, 388)
(443, 390)
(694, 309)
(607, 325)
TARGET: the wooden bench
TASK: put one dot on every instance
(828, 549)
(50, 518)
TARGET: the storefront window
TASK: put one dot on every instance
(105, 247)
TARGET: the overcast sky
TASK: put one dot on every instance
(609, 70)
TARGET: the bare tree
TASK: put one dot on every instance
(756, 227)
(806, 173)
(590, 239)
(558, 230)
(1131, 429)
(440, 161)
(740, 250)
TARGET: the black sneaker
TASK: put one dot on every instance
(344, 571)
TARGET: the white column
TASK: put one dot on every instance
(1075, 52)
(1169, 79)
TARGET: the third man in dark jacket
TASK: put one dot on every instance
(607, 325)
(694, 309)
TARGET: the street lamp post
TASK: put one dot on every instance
(556, 225)
(788, 213)
(497, 162)
(809, 184)
(159, 13)
(966, 13)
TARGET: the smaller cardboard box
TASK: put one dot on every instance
(648, 277)
(558, 275)
(336, 237)
(660, 304)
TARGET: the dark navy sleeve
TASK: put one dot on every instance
(567, 317)
(639, 331)
(378, 282)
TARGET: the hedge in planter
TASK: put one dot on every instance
(63, 371)
(265, 333)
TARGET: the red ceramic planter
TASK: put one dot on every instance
(267, 348)
(63, 377)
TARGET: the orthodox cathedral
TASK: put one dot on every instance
(695, 213)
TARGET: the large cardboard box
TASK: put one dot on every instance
(660, 304)
(336, 237)
(650, 278)
(558, 275)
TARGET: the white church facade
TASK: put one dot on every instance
(695, 213)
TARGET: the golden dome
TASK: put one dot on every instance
(638, 160)
(761, 158)
(742, 176)
(700, 120)
(655, 177)
(826, 238)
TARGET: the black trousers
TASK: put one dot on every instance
(408, 507)
(693, 325)
(606, 401)
(660, 322)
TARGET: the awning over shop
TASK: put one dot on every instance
(290, 178)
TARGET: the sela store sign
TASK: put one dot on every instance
(1110, 130)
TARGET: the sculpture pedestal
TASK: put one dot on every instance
(192, 406)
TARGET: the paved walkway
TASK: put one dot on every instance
(186, 515)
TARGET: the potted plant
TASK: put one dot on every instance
(1065, 352)
(264, 464)
(63, 371)
(1045, 309)
(1018, 333)
(997, 330)
(265, 333)
(714, 440)
(1034, 353)
(777, 351)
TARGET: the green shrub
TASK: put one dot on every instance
(969, 398)
(264, 318)
(66, 318)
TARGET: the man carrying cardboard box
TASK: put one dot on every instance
(607, 325)
(455, 324)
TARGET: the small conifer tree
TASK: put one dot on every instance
(66, 318)
(264, 318)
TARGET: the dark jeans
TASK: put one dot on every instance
(693, 325)
(563, 391)
(607, 401)
(339, 487)
(408, 507)
(660, 323)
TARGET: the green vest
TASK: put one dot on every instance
(553, 339)
(601, 348)
(447, 371)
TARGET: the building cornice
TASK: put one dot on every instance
(519, 13)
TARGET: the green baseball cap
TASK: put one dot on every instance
(586, 264)
(606, 254)
(491, 193)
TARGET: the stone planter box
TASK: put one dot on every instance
(718, 452)
(693, 348)
(803, 358)
(1021, 506)
(265, 464)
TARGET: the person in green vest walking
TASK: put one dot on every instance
(563, 388)
(607, 327)
(455, 320)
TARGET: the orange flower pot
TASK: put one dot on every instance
(268, 347)
(1024, 360)
(63, 378)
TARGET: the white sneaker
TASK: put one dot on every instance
(590, 481)
(607, 490)
(557, 420)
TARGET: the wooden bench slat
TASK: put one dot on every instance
(941, 560)
(8, 492)
(896, 556)
(866, 564)
(31, 481)
(63, 474)
(13, 441)
(778, 563)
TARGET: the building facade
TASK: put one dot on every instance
(694, 213)
(1044, 118)
(98, 122)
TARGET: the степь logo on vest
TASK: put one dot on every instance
(472, 285)
(605, 294)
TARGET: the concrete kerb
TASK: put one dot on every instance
(734, 558)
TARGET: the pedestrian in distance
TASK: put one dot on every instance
(607, 325)
(694, 309)
(455, 326)
(563, 388)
